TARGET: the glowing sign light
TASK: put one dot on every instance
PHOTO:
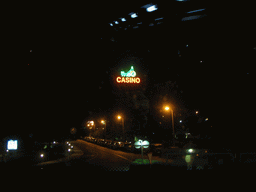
(12, 145)
(128, 80)
(129, 77)
(140, 143)
(130, 73)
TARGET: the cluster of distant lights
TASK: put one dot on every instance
(151, 8)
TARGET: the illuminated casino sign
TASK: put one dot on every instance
(129, 77)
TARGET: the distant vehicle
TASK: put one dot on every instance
(93, 140)
(128, 146)
(101, 142)
(120, 144)
(108, 143)
(114, 145)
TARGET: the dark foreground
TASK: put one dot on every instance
(86, 156)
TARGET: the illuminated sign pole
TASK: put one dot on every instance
(141, 144)
(12, 145)
(129, 77)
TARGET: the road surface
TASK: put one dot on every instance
(93, 157)
(88, 155)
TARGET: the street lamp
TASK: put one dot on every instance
(104, 123)
(167, 108)
(122, 119)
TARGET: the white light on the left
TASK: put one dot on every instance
(134, 15)
(41, 155)
(12, 145)
(190, 150)
(151, 8)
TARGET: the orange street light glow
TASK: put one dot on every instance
(166, 108)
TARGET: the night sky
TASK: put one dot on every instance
(72, 64)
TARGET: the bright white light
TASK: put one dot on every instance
(180, 121)
(123, 19)
(41, 155)
(145, 143)
(69, 150)
(116, 22)
(190, 150)
(12, 144)
(140, 143)
(134, 15)
(151, 8)
(110, 24)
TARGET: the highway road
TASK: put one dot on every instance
(88, 155)
(92, 157)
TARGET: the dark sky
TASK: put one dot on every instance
(72, 59)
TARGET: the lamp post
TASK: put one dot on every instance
(104, 122)
(122, 119)
(167, 109)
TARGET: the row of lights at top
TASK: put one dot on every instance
(149, 8)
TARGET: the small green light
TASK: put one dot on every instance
(130, 73)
